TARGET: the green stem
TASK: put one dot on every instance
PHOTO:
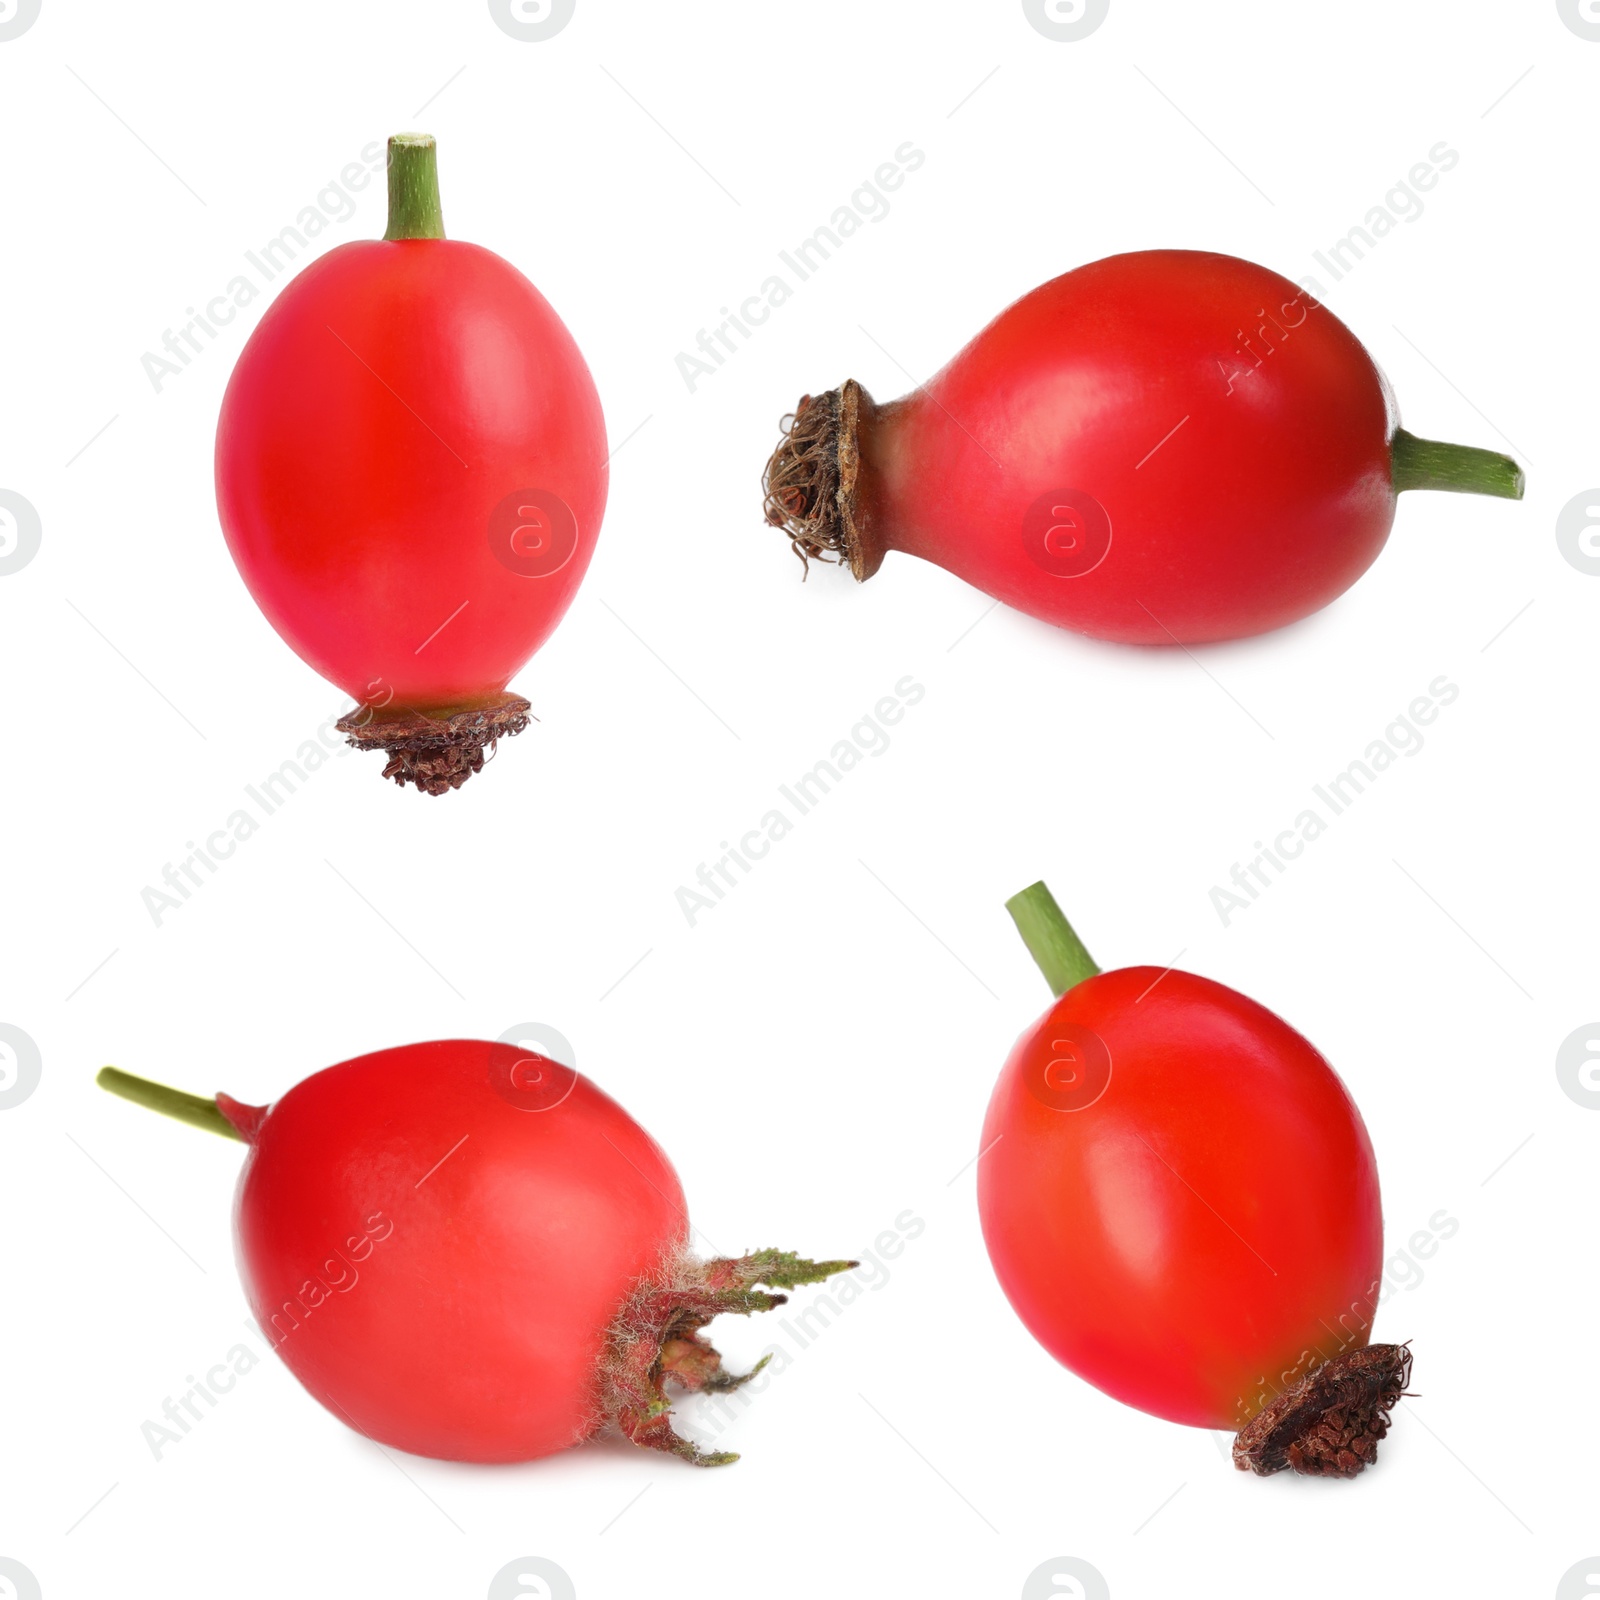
(414, 211)
(1460, 468)
(1050, 939)
(190, 1108)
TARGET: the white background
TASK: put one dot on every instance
(817, 1051)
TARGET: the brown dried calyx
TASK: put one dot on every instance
(811, 479)
(1329, 1424)
(656, 1338)
(436, 753)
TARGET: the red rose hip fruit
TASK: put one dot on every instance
(411, 472)
(470, 1252)
(1181, 1203)
(1166, 447)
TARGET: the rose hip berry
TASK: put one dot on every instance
(411, 472)
(1181, 1203)
(468, 1251)
(1166, 447)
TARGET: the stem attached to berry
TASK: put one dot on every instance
(197, 1111)
(1459, 468)
(414, 210)
(1050, 939)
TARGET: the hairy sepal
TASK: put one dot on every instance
(656, 1340)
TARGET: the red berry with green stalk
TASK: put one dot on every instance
(411, 471)
(468, 1251)
(1181, 1203)
(1166, 447)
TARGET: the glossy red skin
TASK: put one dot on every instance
(1205, 1229)
(1262, 507)
(472, 1329)
(393, 395)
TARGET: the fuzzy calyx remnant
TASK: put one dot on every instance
(811, 480)
(436, 753)
(656, 1337)
(1329, 1424)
